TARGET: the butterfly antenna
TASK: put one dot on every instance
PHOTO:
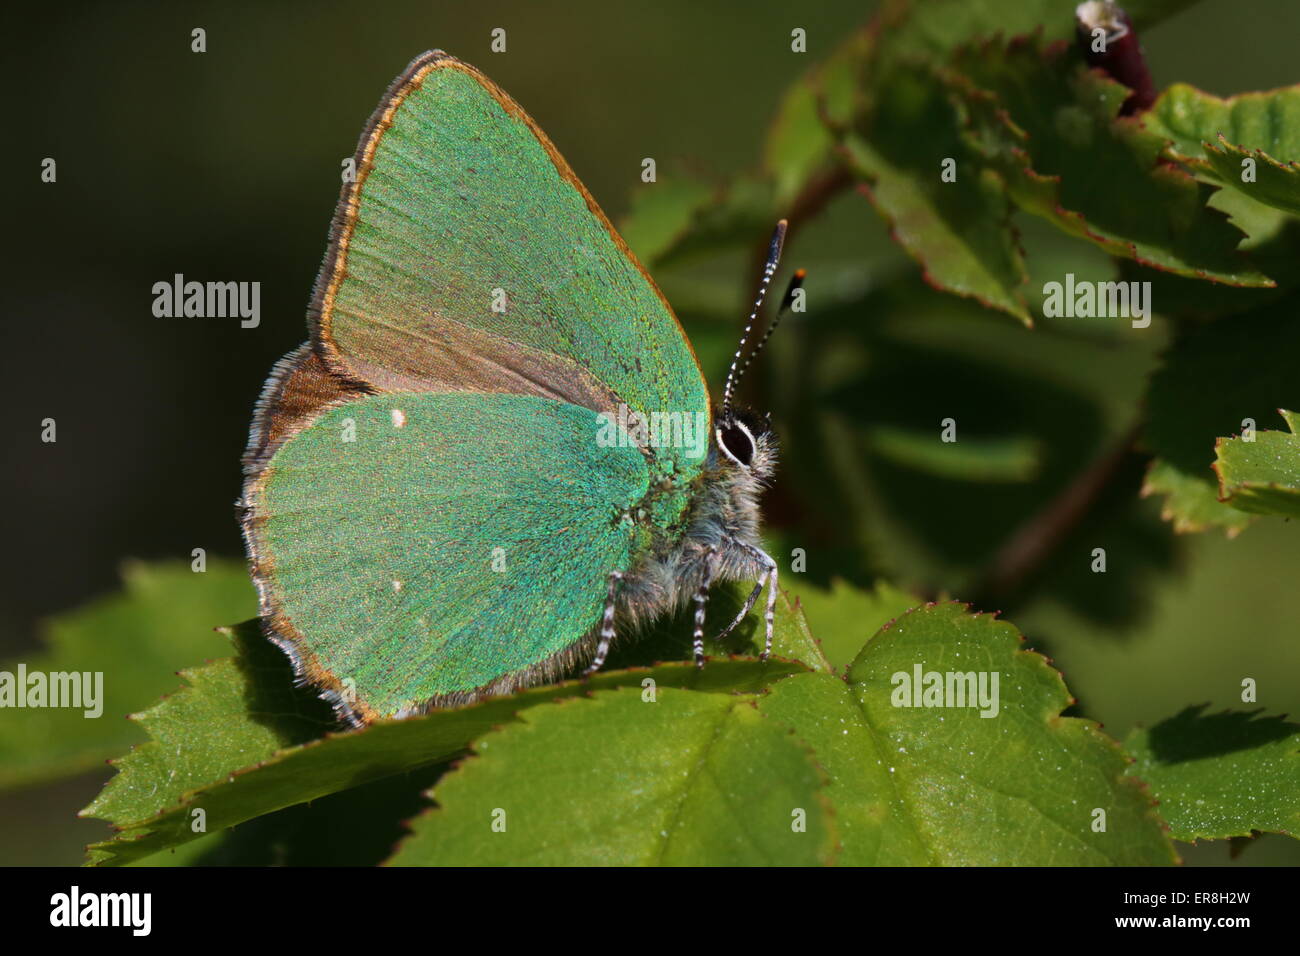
(769, 269)
(796, 283)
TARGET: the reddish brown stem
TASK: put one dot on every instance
(1110, 43)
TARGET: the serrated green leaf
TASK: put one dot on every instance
(1189, 502)
(1216, 135)
(1217, 376)
(1221, 775)
(683, 778)
(1273, 183)
(1050, 126)
(231, 714)
(1262, 476)
(137, 640)
(959, 232)
(1189, 118)
(944, 785)
(1265, 226)
(842, 615)
(831, 95)
(1273, 244)
(241, 741)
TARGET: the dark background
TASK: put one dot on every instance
(225, 166)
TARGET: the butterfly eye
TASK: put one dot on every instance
(734, 439)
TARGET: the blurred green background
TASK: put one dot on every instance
(225, 166)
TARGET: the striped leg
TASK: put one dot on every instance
(769, 577)
(701, 598)
(749, 606)
(771, 609)
(606, 624)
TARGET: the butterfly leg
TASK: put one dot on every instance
(606, 623)
(770, 616)
(749, 606)
(701, 598)
(769, 578)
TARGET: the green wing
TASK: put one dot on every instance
(462, 208)
(457, 544)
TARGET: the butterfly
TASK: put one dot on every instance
(497, 450)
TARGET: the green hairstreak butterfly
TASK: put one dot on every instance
(497, 450)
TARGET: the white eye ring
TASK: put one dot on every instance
(722, 445)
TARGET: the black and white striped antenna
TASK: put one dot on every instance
(769, 269)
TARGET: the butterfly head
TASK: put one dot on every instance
(745, 440)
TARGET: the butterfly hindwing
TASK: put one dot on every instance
(424, 546)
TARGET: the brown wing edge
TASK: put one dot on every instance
(299, 390)
(334, 267)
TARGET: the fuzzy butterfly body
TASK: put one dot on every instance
(432, 507)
